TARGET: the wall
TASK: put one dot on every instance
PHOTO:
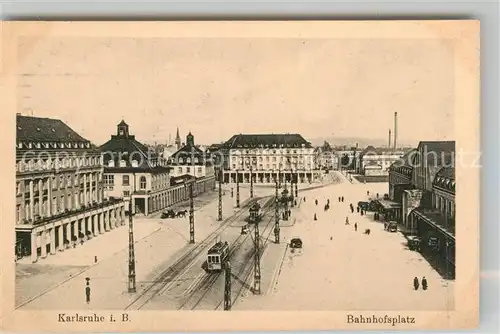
(411, 200)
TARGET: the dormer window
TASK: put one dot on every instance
(181, 160)
(19, 145)
(135, 163)
(123, 163)
(111, 163)
(30, 145)
(61, 145)
(188, 160)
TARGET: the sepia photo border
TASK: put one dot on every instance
(464, 34)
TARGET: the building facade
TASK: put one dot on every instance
(60, 199)
(135, 173)
(267, 158)
(376, 162)
(424, 184)
(191, 160)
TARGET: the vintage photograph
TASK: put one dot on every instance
(243, 166)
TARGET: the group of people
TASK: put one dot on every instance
(416, 283)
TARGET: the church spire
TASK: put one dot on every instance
(178, 140)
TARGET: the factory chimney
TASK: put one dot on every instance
(395, 130)
(389, 146)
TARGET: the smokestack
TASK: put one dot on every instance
(395, 130)
(389, 146)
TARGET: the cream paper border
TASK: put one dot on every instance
(464, 35)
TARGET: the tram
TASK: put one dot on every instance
(217, 256)
(255, 213)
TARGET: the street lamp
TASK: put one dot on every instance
(284, 199)
(131, 251)
(189, 185)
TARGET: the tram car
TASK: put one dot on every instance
(255, 213)
(217, 256)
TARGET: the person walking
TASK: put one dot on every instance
(367, 193)
(347, 220)
(316, 201)
(87, 293)
(424, 283)
(315, 218)
(415, 283)
(342, 199)
(355, 226)
(357, 208)
(95, 259)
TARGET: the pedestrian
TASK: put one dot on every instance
(339, 199)
(289, 212)
(424, 283)
(367, 193)
(95, 259)
(377, 195)
(316, 201)
(315, 218)
(352, 209)
(304, 199)
(347, 220)
(415, 283)
(331, 238)
(355, 226)
(362, 213)
(342, 199)
(357, 208)
(87, 293)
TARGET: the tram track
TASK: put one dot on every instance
(207, 284)
(178, 267)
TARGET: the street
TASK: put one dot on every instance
(339, 268)
(343, 269)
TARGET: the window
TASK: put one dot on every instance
(126, 180)
(135, 163)
(200, 170)
(188, 170)
(126, 193)
(180, 170)
(143, 182)
(123, 163)
(111, 163)
(109, 180)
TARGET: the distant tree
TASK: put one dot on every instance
(345, 160)
(326, 146)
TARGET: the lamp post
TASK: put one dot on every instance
(284, 198)
(276, 216)
(131, 251)
(237, 189)
(251, 181)
(219, 218)
(189, 185)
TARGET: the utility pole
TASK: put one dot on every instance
(296, 185)
(256, 271)
(131, 252)
(237, 189)
(191, 213)
(220, 197)
(227, 287)
(291, 188)
(251, 181)
(276, 217)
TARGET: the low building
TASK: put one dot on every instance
(60, 200)
(267, 158)
(191, 160)
(400, 175)
(376, 161)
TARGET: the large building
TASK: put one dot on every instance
(133, 172)
(60, 200)
(268, 157)
(376, 161)
(423, 184)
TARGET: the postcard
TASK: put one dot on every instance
(263, 175)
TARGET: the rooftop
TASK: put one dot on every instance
(267, 141)
(39, 129)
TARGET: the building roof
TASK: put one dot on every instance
(38, 129)
(445, 179)
(442, 152)
(126, 147)
(267, 140)
(189, 155)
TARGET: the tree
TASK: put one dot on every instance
(326, 146)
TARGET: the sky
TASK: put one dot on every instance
(217, 87)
